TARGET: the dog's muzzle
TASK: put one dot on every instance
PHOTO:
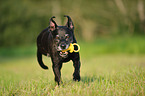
(62, 47)
(63, 54)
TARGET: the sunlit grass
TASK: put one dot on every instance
(101, 75)
(116, 45)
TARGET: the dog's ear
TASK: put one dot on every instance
(69, 23)
(52, 24)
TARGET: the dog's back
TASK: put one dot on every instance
(42, 46)
(42, 42)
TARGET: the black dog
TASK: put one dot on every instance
(51, 41)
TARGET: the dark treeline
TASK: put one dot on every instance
(22, 20)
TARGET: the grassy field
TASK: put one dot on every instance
(100, 75)
(108, 45)
(109, 67)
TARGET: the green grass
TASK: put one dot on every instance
(111, 45)
(110, 66)
(101, 75)
(114, 45)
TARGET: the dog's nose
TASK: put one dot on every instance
(63, 46)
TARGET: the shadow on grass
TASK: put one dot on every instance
(89, 79)
(84, 80)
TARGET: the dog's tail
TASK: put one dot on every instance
(39, 58)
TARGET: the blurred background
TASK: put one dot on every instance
(111, 34)
(101, 27)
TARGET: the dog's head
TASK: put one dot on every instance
(62, 35)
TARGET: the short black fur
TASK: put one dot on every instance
(51, 41)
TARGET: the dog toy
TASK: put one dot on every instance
(71, 48)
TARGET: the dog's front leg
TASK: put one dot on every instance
(76, 74)
(57, 72)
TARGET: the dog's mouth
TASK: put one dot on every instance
(59, 48)
(63, 54)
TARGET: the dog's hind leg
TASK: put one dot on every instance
(39, 58)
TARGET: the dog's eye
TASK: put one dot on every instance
(57, 37)
(67, 36)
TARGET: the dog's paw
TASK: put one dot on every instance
(77, 78)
